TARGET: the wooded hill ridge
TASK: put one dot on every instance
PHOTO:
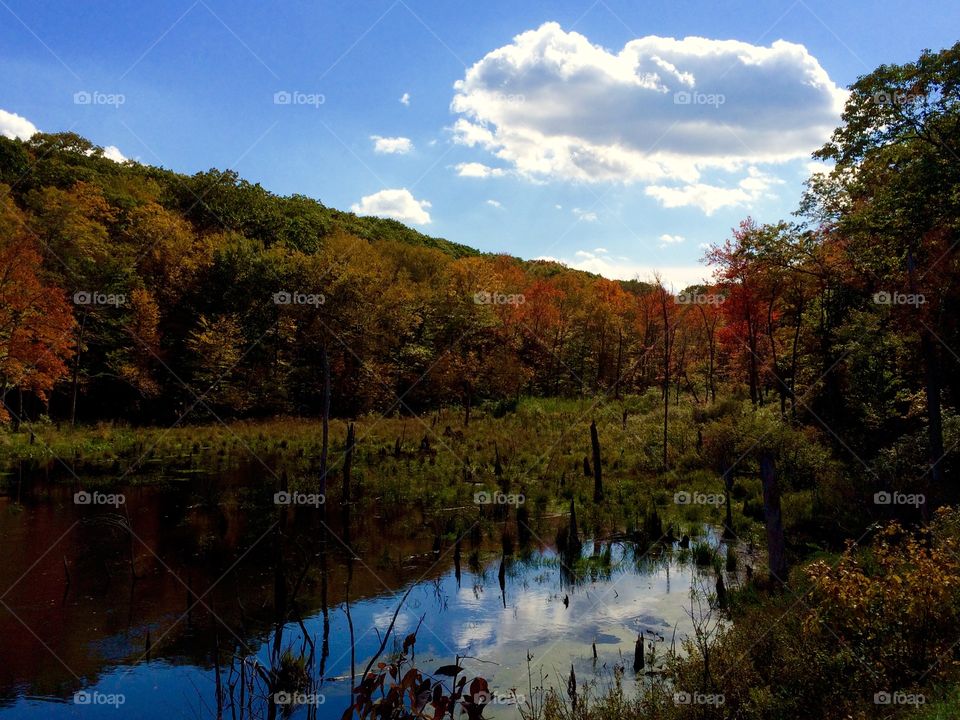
(124, 276)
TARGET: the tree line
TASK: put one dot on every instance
(132, 292)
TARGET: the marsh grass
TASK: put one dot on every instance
(434, 462)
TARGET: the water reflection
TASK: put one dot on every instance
(200, 597)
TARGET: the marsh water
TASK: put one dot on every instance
(136, 610)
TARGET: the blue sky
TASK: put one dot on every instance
(618, 136)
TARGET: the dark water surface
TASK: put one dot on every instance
(131, 606)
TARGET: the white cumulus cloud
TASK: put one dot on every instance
(555, 106)
(13, 126)
(405, 99)
(478, 170)
(495, 203)
(391, 145)
(710, 198)
(398, 204)
(112, 152)
(585, 215)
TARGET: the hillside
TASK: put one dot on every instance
(212, 200)
(158, 286)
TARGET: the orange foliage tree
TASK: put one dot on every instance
(36, 322)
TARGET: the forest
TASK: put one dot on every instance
(815, 382)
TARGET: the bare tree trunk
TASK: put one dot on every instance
(554, 359)
(348, 463)
(793, 361)
(216, 672)
(693, 390)
(931, 363)
(353, 644)
(776, 549)
(619, 361)
(681, 360)
(597, 472)
(583, 362)
(325, 403)
(76, 370)
(728, 489)
(601, 357)
(934, 417)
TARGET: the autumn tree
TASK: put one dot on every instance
(216, 346)
(892, 197)
(167, 252)
(36, 323)
(751, 287)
